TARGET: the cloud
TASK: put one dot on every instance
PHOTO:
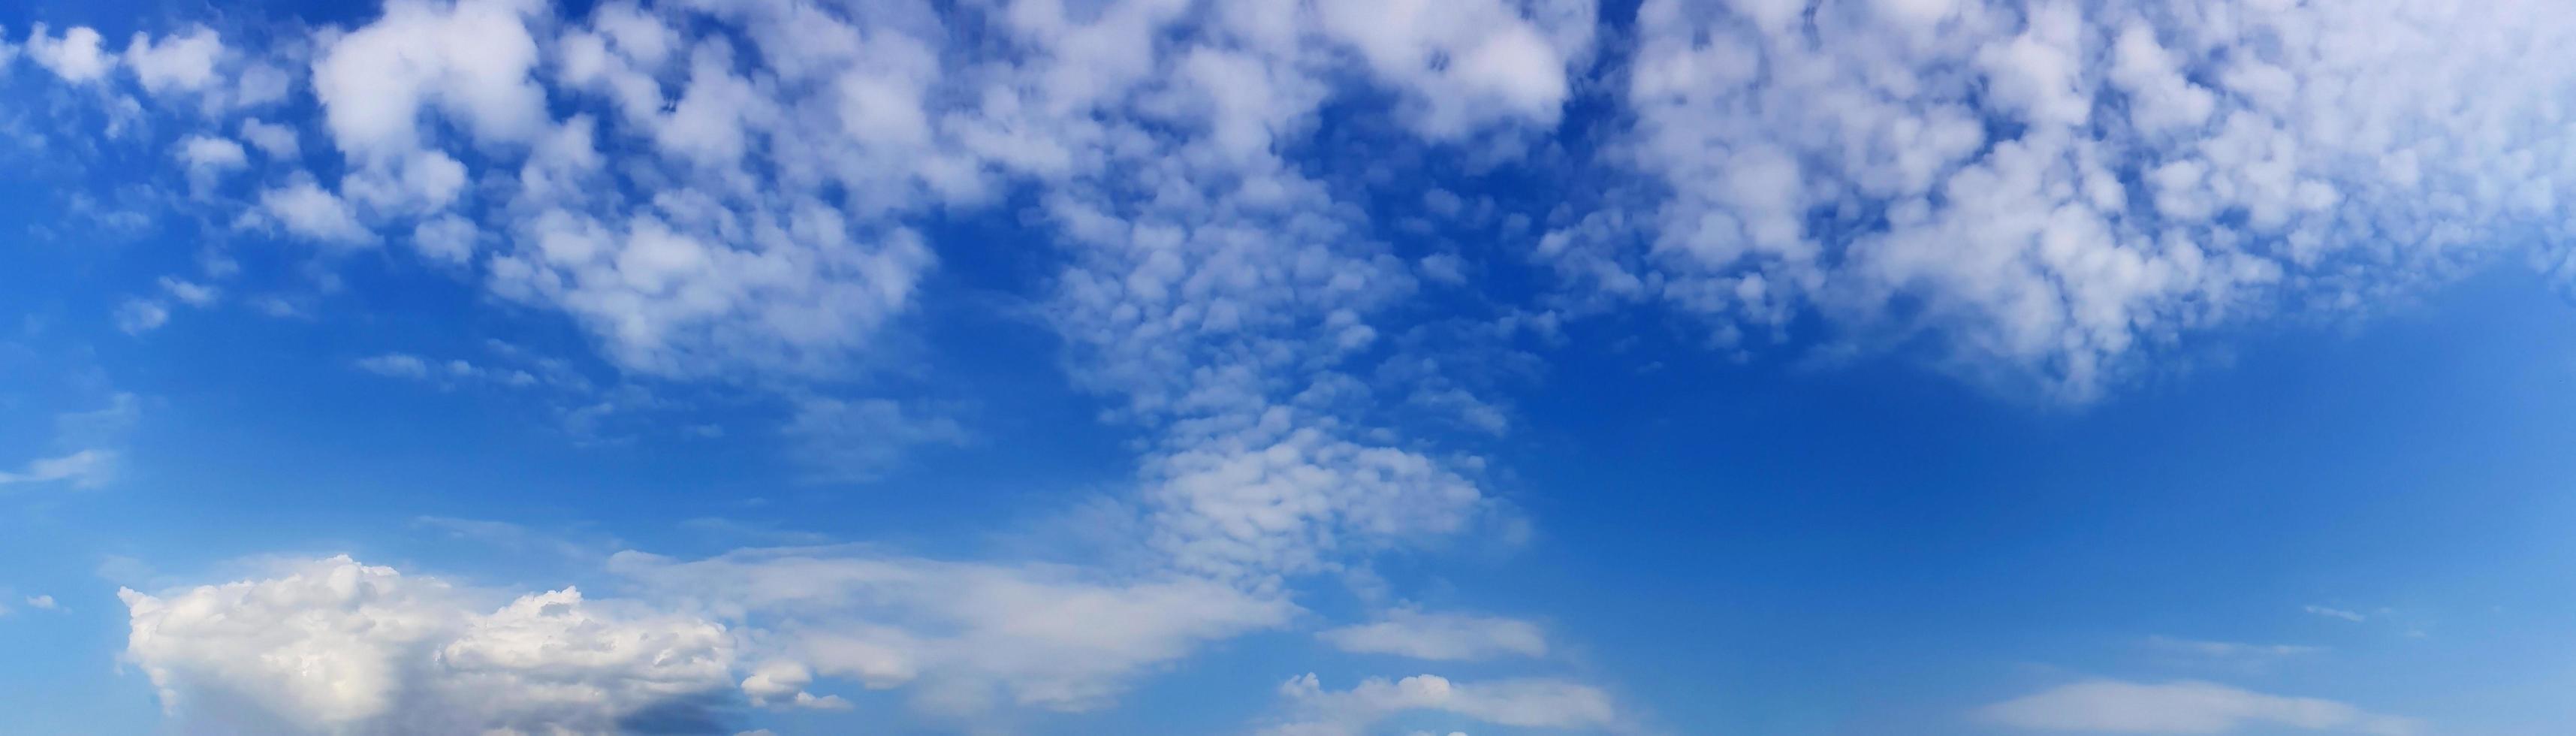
(76, 56)
(1440, 636)
(2044, 191)
(85, 468)
(333, 646)
(1522, 703)
(309, 211)
(208, 157)
(2353, 616)
(278, 141)
(2228, 650)
(42, 602)
(2181, 707)
(965, 637)
(395, 365)
(190, 293)
(858, 441)
(176, 63)
(470, 60)
(138, 316)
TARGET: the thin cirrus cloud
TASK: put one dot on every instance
(1440, 636)
(2182, 707)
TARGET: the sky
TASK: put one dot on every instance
(1338, 367)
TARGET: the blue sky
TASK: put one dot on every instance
(1135, 366)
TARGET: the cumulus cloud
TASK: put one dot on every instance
(311, 212)
(42, 602)
(208, 158)
(334, 646)
(176, 63)
(1522, 703)
(470, 60)
(2182, 707)
(76, 56)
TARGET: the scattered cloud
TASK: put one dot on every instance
(2354, 616)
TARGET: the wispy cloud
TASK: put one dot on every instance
(2182, 707)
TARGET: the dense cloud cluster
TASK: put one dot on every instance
(333, 646)
(2041, 191)
(2046, 187)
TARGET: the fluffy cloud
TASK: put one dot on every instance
(310, 211)
(2182, 707)
(208, 158)
(76, 56)
(2045, 188)
(176, 63)
(1526, 703)
(1440, 636)
(470, 60)
(333, 646)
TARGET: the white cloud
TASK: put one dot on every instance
(332, 646)
(965, 637)
(76, 56)
(2354, 616)
(278, 141)
(178, 62)
(395, 365)
(2231, 651)
(84, 468)
(309, 211)
(42, 602)
(2181, 707)
(191, 293)
(208, 158)
(138, 316)
(1522, 703)
(2046, 190)
(470, 60)
(1440, 636)
(447, 239)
